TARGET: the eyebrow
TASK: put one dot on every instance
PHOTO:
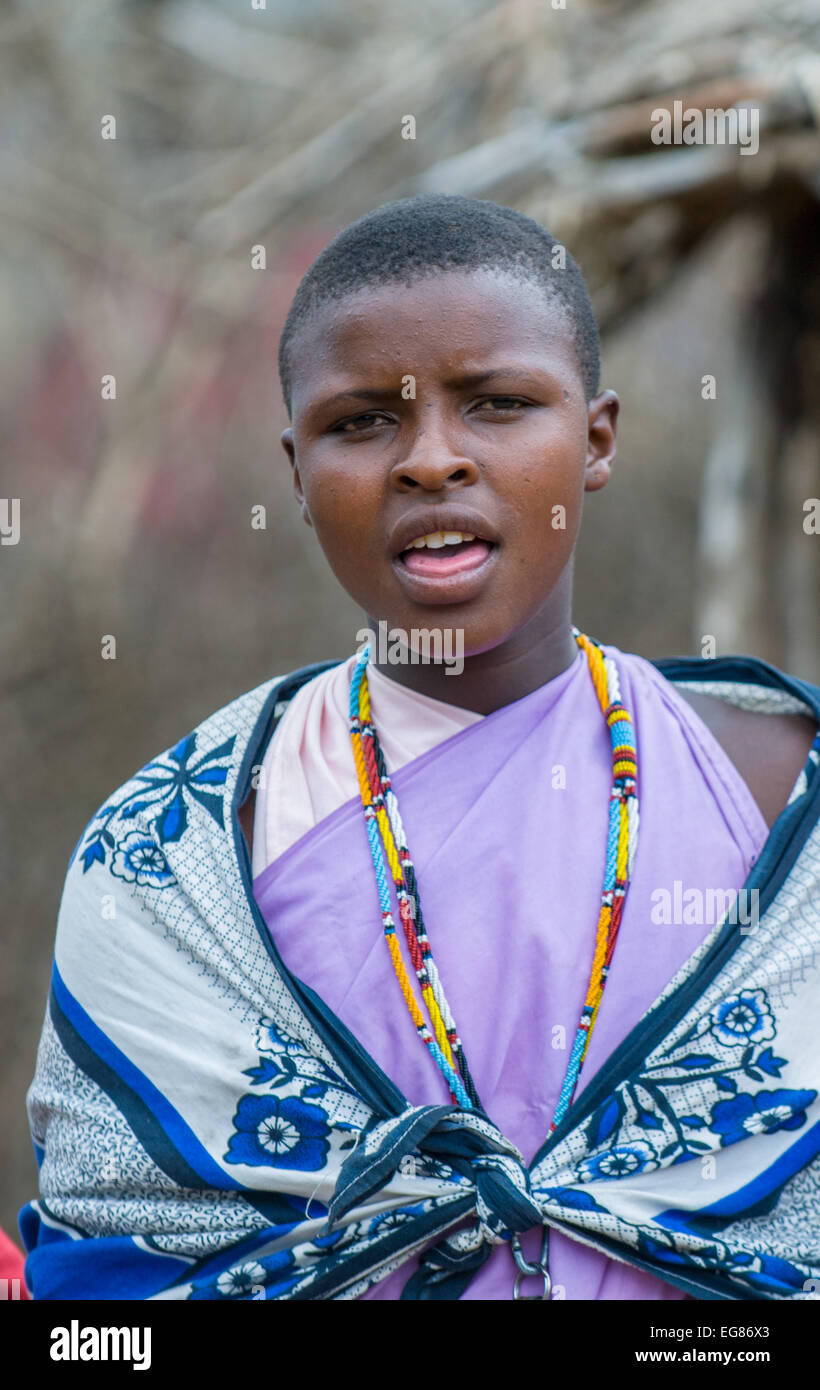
(481, 378)
(365, 394)
(470, 379)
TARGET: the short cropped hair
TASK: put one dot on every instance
(407, 240)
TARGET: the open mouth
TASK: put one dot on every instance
(442, 553)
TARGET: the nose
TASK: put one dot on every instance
(433, 464)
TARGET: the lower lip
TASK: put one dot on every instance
(447, 578)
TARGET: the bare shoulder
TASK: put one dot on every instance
(768, 750)
(246, 815)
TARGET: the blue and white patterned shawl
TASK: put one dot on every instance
(206, 1128)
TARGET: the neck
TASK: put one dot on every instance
(494, 678)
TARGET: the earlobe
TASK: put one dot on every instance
(289, 448)
(601, 446)
(300, 496)
(597, 475)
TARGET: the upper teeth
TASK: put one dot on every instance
(435, 539)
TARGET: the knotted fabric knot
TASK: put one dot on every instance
(504, 1200)
(488, 1172)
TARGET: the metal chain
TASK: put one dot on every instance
(525, 1267)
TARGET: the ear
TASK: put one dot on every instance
(602, 428)
(290, 449)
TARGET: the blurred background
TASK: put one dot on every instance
(249, 133)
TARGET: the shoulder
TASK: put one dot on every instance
(768, 745)
(196, 775)
(768, 750)
(195, 778)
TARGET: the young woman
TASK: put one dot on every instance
(486, 979)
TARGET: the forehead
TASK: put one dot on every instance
(437, 323)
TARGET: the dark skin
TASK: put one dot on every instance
(499, 426)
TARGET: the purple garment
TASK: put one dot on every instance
(510, 868)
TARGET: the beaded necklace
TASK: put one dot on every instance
(389, 851)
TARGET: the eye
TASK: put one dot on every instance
(507, 405)
(359, 424)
